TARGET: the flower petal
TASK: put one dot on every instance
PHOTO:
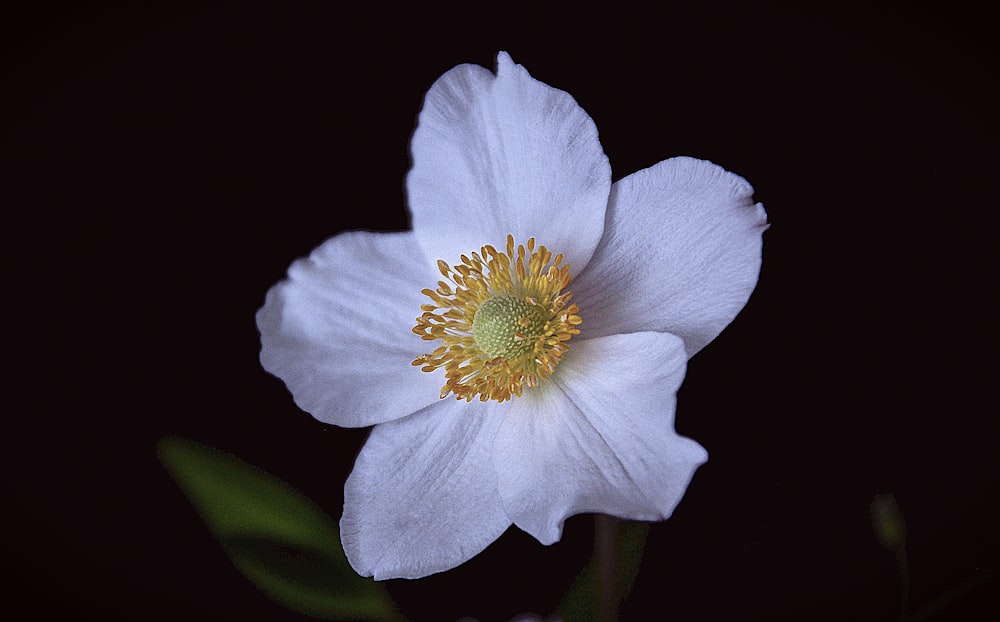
(598, 437)
(681, 253)
(423, 494)
(505, 154)
(337, 331)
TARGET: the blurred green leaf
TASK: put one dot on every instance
(580, 602)
(280, 540)
(890, 530)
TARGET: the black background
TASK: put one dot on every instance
(164, 166)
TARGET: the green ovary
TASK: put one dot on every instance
(507, 327)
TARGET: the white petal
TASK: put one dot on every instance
(423, 494)
(681, 253)
(338, 329)
(503, 154)
(598, 437)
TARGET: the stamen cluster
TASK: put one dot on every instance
(522, 332)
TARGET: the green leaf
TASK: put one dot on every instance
(280, 540)
(580, 603)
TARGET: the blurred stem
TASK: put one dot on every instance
(607, 532)
(936, 609)
(904, 576)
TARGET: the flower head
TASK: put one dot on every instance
(559, 308)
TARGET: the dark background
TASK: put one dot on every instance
(164, 166)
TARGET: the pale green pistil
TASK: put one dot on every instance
(507, 326)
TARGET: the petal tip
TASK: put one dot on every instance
(761, 215)
(549, 534)
(699, 455)
(504, 61)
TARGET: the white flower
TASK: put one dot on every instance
(660, 261)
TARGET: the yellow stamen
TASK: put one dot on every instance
(504, 321)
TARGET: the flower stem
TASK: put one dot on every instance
(607, 532)
(904, 576)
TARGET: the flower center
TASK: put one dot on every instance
(503, 319)
(507, 326)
